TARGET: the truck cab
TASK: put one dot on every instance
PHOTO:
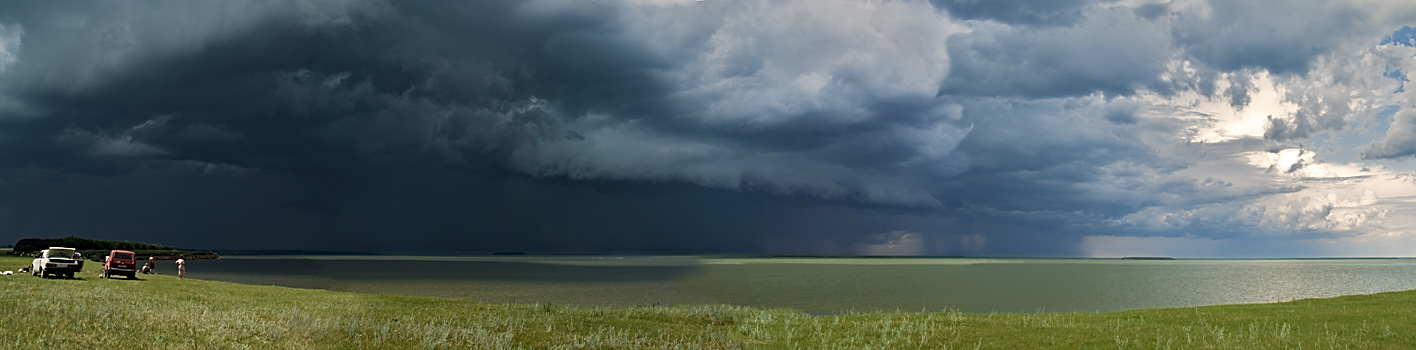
(57, 261)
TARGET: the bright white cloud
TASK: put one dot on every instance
(1243, 131)
(1219, 120)
(1308, 196)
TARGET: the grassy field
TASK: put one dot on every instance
(161, 312)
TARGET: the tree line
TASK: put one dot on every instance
(30, 245)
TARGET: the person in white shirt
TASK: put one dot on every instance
(181, 266)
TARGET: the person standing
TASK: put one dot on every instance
(181, 266)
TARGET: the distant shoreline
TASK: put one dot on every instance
(229, 252)
(97, 249)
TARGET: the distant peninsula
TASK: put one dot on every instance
(95, 249)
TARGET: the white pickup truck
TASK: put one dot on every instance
(58, 261)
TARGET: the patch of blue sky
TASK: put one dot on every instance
(1404, 36)
(1399, 76)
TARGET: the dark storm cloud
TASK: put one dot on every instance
(1052, 158)
(801, 127)
(1001, 60)
(1286, 38)
(543, 84)
(324, 99)
(1027, 12)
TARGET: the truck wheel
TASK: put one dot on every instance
(68, 275)
(133, 276)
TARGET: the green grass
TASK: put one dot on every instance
(161, 312)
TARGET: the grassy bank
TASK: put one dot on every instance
(163, 312)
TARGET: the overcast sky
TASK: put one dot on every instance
(1227, 128)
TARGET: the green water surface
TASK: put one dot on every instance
(826, 285)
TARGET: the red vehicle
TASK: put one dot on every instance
(122, 263)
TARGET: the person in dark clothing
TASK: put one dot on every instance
(150, 267)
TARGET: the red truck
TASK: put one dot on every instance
(122, 263)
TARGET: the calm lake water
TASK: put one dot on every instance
(826, 284)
